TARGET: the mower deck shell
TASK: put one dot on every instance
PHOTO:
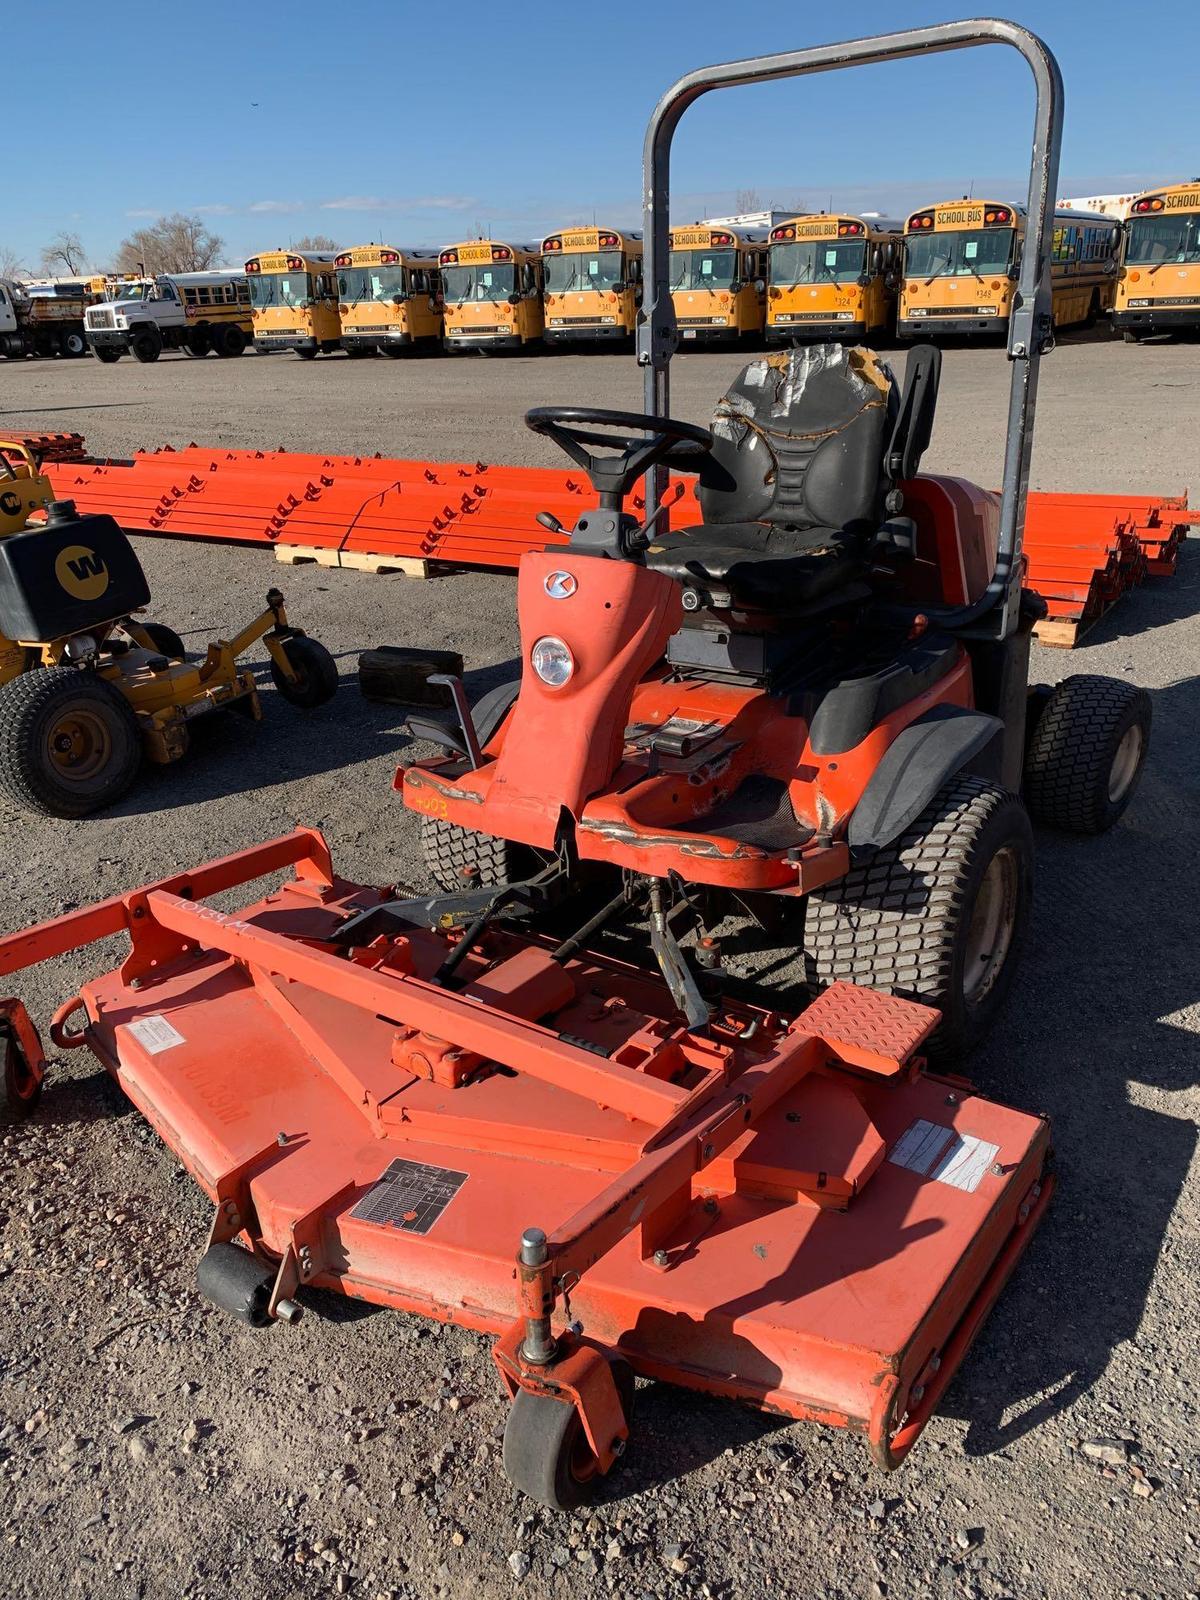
(805, 1268)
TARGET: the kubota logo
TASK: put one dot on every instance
(81, 572)
(560, 585)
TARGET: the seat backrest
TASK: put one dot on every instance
(801, 441)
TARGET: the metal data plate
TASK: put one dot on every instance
(410, 1196)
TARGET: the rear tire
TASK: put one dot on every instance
(307, 355)
(1087, 753)
(74, 345)
(228, 341)
(456, 856)
(939, 916)
(69, 742)
(316, 673)
(196, 344)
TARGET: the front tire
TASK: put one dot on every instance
(546, 1452)
(69, 742)
(939, 916)
(106, 354)
(228, 341)
(146, 345)
(1087, 752)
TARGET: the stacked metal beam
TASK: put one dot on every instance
(381, 513)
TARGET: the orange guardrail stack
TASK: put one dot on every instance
(380, 513)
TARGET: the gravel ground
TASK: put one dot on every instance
(149, 1447)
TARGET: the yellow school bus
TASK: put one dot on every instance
(832, 277)
(592, 284)
(1158, 288)
(390, 299)
(718, 279)
(293, 301)
(492, 295)
(960, 267)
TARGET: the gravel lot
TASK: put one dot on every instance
(149, 1447)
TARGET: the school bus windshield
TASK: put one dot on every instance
(817, 261)
(1155, 241)
(583, 269)
(369, 283)
(958, 255)
(280, 289)
(494, 282)
(703, 269)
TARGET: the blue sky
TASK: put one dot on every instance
(424, 124)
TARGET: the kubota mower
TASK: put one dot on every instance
(469, 1106)
(86, 687)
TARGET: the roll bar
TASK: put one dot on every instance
(1030, 323)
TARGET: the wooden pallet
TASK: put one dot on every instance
(296, 555)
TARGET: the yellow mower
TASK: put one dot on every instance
(85, 687)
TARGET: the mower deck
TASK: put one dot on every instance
(791, 1213)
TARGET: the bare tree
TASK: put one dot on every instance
(11, 265)
(748, 200)
(172, 244)
(315, 241)
(64, 254)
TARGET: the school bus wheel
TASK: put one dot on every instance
(228, 341)
(316, 672)
(22, 1085)
(69, 742)
(305, 354)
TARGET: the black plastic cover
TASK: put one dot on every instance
(70, 576)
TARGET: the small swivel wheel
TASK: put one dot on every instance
(22, 1085)
(316, 673)
(546, 1452)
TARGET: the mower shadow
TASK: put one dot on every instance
(1111, 963)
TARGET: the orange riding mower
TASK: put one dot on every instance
(539, 1103)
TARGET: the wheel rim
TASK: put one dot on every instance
(1125, 764)
(79, 745)
(583, 1465)
(990, 931)
(19, 1082)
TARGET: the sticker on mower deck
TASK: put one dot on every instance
(154, 1034)
(410, 1196)
(934, 1151)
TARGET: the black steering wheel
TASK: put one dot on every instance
(673, 444)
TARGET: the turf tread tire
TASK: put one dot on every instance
(897, 922)
(24, 704)
(1071, 753)
(449, 851)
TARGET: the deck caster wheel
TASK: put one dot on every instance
(165, 640)
(233, 1280)
(546, 1452)
(22, 1086)
(316, 672)
(1087, 753)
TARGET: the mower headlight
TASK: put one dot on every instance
(81, 648)
(552, 661)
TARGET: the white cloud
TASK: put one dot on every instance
(142, 212)
(422, 202)
(277, 206)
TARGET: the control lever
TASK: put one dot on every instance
(550, 521)
(641, 537)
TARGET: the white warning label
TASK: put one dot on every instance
(959, 1160)
(154, 1034)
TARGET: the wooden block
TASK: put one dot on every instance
(295, 555)
(368, 561)
(298, 555)
(1056, 632)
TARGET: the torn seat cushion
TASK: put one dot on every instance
(794, 487)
